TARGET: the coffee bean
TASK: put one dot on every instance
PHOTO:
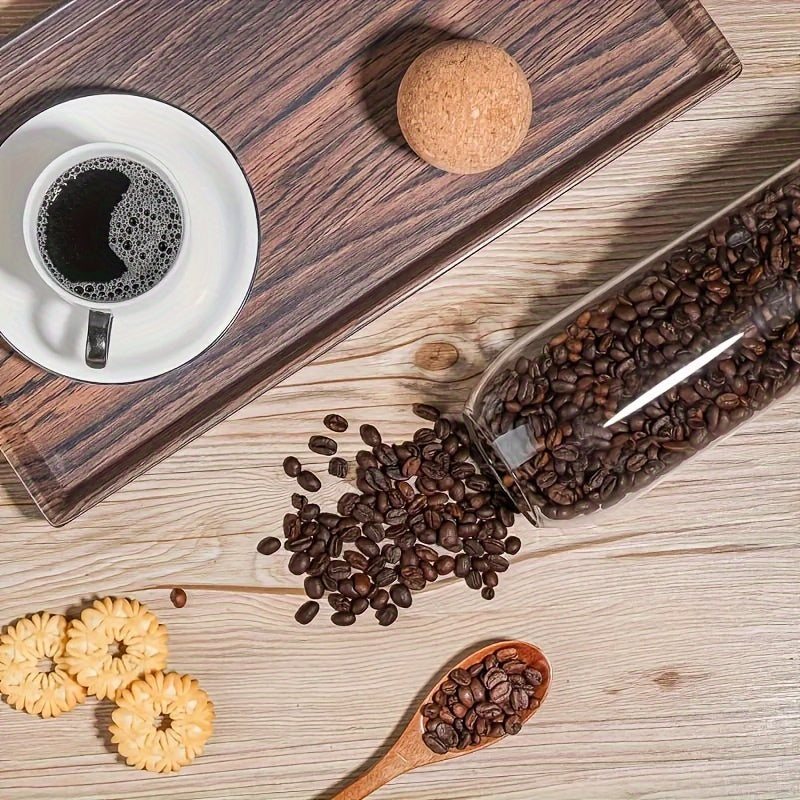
(299, 563)
(463, 564)
(379, 599)
(362, 584)
(512, 545)
(178, 597)
(386, 615)
(337, 467)
(445, 565)
(426, 412)
(488, 711)
(269, 545)
(370, 435)
(474, 579)
(299, 500)
(460, 676)
(433, 743)
(512, 725)
(359, 605)
(487, 593)
(292, 466)
(338, 570)
(307, 612)
(343, 618)
(314, 587)
(309, 481)
(335, 423)
(323, 445)
(401, 596)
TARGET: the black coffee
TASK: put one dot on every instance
(109, 229)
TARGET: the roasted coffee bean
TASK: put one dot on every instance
(337, 467)
(362, 584)
(487, 593)
(512, 545)
(343, 618)
(497, 563)
(309, 481)
(335, 423)
(370, 435)
(379, 599)
(338, 570)
(269, 545)
(314, 587)
(292, 466)
(401, 596)
(445, 565)
(488, 711)
(435, 744)
(299, 500)
(463, 564)
(359, 605)
(460, 676)
(338, 602)
(178, 597)
(299, 563)
(426, 412)
(307, 612)
(386, 615)
(323, 445)
(474, 579)
(327, 520)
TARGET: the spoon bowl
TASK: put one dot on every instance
(410, 752)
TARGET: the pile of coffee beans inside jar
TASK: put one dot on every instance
(422, 510)
(485, 700)
(739, 283)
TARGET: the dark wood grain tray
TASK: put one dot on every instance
(303, 91)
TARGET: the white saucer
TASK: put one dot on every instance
(220, 258)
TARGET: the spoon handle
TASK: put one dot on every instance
(389, 767)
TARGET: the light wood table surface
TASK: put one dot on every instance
(673, 633)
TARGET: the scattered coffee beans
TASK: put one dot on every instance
(548, 413)
(323, 445)
(309, 481)
(422, 510)
(335, 423)
(292, 467)
(178, 596)
(338, 468)
(487, 700)
(269, 545)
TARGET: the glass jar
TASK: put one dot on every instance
(655, 365)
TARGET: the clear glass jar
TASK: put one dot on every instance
(655, 365)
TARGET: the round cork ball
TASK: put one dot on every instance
(464, 106)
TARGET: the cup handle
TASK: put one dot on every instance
(98, 337)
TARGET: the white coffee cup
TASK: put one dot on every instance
(101, 314)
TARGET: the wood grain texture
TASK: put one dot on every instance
(672, 632)
(351, 220)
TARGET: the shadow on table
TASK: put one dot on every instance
(413, 705)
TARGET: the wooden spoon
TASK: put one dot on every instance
(410, 752)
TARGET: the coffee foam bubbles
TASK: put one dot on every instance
(145, 231)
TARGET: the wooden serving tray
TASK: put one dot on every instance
(303, 91)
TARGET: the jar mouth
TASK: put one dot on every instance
(483, 440)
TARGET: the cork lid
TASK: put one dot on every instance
(464, 106)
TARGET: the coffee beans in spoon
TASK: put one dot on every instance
(422, 510)
(487, 700)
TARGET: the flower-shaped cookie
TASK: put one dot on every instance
(162, 722)
(109, 625)
(25, 684)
